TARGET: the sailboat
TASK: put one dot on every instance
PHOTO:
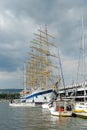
(22, 102)
(82, 106)
(42, 75)
(61, 108)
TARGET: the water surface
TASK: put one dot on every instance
(36, 118)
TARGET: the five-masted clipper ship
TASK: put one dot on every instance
(42, 75)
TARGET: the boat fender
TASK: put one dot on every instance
(60, 109)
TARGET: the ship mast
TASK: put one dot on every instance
(84, 67)
(82, 60)
(40, 59)
(47, 58)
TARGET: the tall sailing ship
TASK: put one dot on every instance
(42, 76)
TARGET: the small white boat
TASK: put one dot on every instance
(45, 105)
(22, 104)
(61, 108)
(80, 107)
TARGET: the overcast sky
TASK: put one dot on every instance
(19, 19)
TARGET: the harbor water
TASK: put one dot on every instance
(36, 118)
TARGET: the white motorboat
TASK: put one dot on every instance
(61, 108)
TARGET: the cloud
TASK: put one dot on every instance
(6, 75)
(15, 36)
(11, 79)
(20, 19)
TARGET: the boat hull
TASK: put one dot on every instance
(63, 114)
(22, 104)
(39, 97)
(80, 107)
(80, 114)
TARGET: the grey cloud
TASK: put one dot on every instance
(23, 17)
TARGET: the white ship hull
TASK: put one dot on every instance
(39, 96)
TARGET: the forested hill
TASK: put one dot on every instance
(10, 91)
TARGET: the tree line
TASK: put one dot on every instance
(9, 96)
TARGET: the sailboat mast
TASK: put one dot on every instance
(41, 77)
(62, 72)
(81, 72)
(84, 67)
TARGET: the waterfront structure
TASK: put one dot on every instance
(75, 91)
